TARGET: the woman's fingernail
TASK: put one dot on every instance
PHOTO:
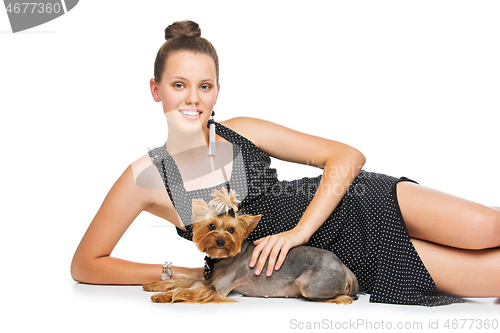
(269, 272)
(252, 264)
(277, 267)
(257, 271)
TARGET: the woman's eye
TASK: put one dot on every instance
(230, 230)
(178, 85)
(211, 227)
(205, 87)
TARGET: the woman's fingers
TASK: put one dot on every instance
(264, 253)
(258, 241)
(275, 248)
(275, 251)
(256, 252)
(268, 248)
(284, 251)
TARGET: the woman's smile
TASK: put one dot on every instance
(190, 113)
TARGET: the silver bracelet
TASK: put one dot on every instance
(167, 271)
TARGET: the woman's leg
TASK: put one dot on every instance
(467, 273)
(448, 220)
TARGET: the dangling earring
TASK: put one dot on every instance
(211, 143)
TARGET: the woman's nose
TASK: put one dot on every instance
(192, 97)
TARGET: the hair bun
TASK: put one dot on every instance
(186, 29)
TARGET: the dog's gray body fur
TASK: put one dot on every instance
(307, 271)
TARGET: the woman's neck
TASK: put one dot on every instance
(178, 141)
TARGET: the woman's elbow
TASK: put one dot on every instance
(358, 158)
(350, 161)
(79, 270)
(76, 271)
(351, 157)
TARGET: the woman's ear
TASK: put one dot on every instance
(154, 90)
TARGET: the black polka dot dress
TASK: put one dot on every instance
(366, 230)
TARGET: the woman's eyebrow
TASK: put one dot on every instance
(183, 78)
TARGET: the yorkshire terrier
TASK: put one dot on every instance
(220, 231)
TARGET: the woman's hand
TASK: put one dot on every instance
(272, 246)
(340, 163)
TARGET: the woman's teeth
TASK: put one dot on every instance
(190, 113)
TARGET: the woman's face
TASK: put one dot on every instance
(187, 90)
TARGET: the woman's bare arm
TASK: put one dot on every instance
(340, 163)
(92, 262)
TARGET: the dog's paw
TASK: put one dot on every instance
(341, 299)
(162, 298)
(149, 286)
(154, 286)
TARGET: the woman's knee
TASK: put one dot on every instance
(496, 227)
(488, 235)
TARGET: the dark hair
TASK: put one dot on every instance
(184, 36)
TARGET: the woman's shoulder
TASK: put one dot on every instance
(145, 174)
(147, 180)
(125, 200)
(248, 127)
(238, 124)
(242, 122)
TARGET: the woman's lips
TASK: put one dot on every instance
(190, 113)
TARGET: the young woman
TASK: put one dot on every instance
(405, 243)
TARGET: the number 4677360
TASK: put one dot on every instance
(33, 7)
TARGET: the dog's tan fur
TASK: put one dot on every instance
(211, 223)
(185, 289)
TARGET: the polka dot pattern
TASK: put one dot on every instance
(366, 230)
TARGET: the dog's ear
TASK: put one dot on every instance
(249, 222)
(200, 210)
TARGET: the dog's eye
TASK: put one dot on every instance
(230, 230)
(211, 227)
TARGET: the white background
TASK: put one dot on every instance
(414, 85)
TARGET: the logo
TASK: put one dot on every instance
(26, 15)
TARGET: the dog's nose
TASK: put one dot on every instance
(220, 242)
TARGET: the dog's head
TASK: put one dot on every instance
(218, 228)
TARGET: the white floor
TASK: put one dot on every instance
(52, 300)
(129, 307)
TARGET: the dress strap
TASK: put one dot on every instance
(241, 141)
(231, 135)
